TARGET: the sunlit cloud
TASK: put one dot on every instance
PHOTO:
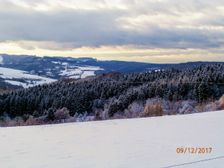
(128, 53)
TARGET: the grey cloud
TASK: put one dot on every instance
(95, 28)
(79, 27)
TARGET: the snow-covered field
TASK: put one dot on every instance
(135, 143)
(77, 72)
(14, 77)
(24, 79)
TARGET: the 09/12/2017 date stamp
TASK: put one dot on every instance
(194, 150)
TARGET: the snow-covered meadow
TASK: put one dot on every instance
(22, 78)
(143, 143)
(77, 72)
(26, 79)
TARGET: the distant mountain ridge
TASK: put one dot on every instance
(47, 69)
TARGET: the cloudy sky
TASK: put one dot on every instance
(137, 30)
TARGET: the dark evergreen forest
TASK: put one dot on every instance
(115, 91)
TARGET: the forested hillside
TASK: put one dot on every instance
(112, 94)
(24, 71)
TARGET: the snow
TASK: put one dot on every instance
(61, 63)
(90, 68)
(87, 74)
(56, 62)
(1, 59)
(14, 76)
(80, 72)
(69, 72)
(17, 83)
(144, 143)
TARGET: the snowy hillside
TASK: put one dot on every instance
(25, 79)
(28, 71)
(1, 59)
(22, 78)
(77, 72)
(143, 143)
(74, 68)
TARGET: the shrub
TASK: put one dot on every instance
(221, 103)
(134, 109)
(33, 121)
(62, 114)
(50, 114)
(153, 110)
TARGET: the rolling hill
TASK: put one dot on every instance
(47, 69)
(145, 143)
